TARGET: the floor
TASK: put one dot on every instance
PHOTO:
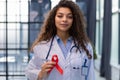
(97, 77)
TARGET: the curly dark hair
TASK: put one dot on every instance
(77, 30)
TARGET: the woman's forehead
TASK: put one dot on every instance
(64, 10)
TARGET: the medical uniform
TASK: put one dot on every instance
(75, 66)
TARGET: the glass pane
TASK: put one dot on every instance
(114, 46)
(97, 9)
(34, 31)
(34, 11)
(19, 0)
(13, 26)
(17, 61)
(2, 0)
(24, 18)
(2, 18)
(38, 10)
(2, 78)
(115, 4)
(13, 11)
(17, 35)
(13, 18)
(97, 37)
(101, 35)
(2, 63)
(2, 59)
(101, 8)
(2, 11)
(99, 25)
(24, 8)
(17, 11)
(13, 0)
(23, 36)
(2, 35)
(17, 78)
(82, 5)
(25, 0)
(24, 11)
(13, 36)
(13, 8)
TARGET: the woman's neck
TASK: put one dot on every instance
(63, 36)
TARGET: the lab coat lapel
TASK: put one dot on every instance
(69, 53)
(56, 50)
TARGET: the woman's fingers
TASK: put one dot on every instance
(48, 66)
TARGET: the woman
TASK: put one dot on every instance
(62, 50)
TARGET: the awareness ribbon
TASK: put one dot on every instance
(55, 59)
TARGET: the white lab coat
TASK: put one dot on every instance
(67, 64)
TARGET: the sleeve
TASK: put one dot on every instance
(91, 74)
(33, 68)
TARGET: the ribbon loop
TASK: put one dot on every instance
(55, 59)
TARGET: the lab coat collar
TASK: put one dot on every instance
(55, 47)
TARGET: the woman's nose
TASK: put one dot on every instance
(64, 18)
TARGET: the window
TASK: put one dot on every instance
(19, 21)
(115, 32)
(13, 38)
(99, 25)
(114, 46)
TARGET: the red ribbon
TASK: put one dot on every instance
(55, 59)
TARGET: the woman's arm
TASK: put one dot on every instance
(38, 68)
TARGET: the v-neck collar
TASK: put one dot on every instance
(56, 47)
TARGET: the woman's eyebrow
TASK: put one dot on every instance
(63, 13)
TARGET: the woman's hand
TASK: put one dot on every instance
(45, 68)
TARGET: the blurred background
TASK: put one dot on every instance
(20, 22)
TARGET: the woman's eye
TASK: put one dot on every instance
(59, 16)
(70, 17)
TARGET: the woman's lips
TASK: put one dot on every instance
(64, 24)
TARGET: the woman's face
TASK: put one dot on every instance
(63, 19)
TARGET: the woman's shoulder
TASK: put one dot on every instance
(89, 45)
(41, 45)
